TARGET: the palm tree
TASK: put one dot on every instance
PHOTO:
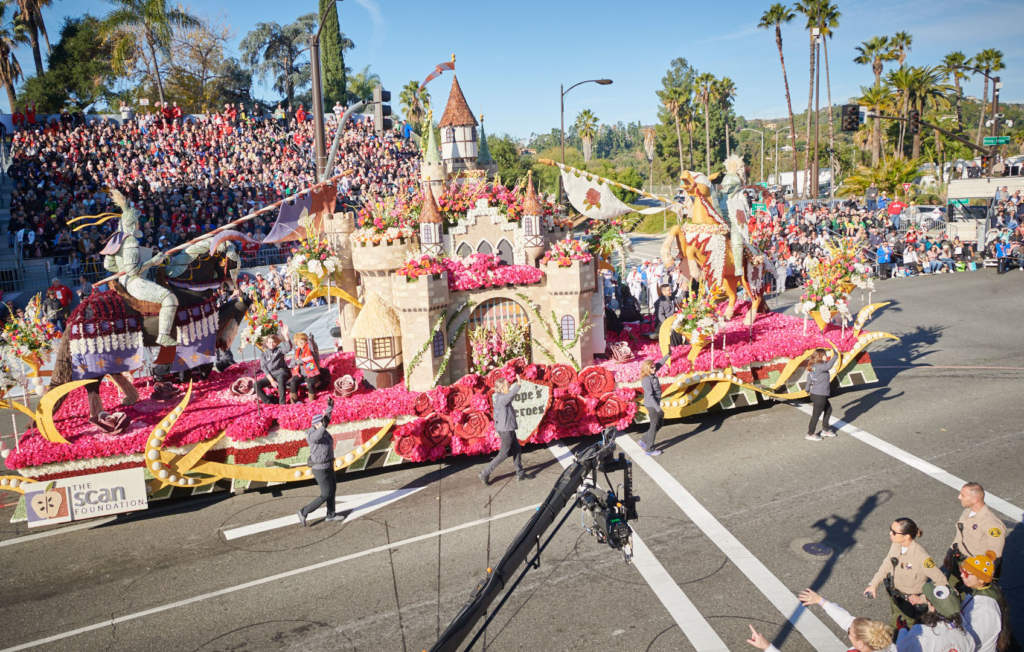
(874, 53)
(830, 16)
(32, 19)
(927, 90)
(776, 15)
(154, 22)
(670, 101)
(272, 50)
(810, 9)
(953, 65)
(889, 177)
(705, 84)
(877, 101)
(12, 34)
(725, 93)
(689, 112)
(586, 126)
(414, 101)
(899, 81)
(900, 46)
(361, 85)
(989, 61)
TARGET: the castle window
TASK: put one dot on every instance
(505, 252)
(568, 328)
(361, 348)
(484, 247)
(472, 132)
(438, 344)
(449, 135)
(464, 250)
(382, 347)
(530, 225)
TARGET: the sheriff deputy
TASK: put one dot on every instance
(905, 569)
(978, 530)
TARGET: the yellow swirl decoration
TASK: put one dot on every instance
(15, 483)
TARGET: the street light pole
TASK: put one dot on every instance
(603, 82)
(319, 138)
(777, 154)
(762, 149)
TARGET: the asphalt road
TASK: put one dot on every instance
(949, 393)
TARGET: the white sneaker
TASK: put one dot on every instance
(828, 433)
(814, 437)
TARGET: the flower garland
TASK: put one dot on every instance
(455, 338)
(553, 334)
(421, 266)
(565, 251)
(426, 344)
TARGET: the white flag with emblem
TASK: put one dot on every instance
(592, 196)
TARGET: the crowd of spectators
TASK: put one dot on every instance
(186, 174)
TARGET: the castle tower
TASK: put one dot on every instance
(571, 294)
(459, 148)
(533, 219)
(338, 228)
(421, 304)
(432, 170)
(431, 236)
(483, 160)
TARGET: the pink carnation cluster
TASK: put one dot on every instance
(487, 270)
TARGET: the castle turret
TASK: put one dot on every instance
(459, 149)
(533, 218)
(431, 237)
(483, 160)
(432, 170)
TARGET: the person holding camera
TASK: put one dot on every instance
(506, 425)
(321, 461)
(904, 571)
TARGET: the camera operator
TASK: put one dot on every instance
(977, 530)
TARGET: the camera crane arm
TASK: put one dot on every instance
(572, 478)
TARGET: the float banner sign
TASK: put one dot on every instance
(85, 497)
(531, 404)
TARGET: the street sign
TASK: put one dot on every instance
(762, 184)
(144, 101)
(906, 187)
(988, 141)
(758, 206)
(959, 202)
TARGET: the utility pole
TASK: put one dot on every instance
(817, 109)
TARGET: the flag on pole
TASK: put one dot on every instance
(591, 197)
(290, 223)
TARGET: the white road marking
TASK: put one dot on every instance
(359, 504)
(690, 621)
(84, 525)
(816, 632)
(264, 580)
(1010, 510)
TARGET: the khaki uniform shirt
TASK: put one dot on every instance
(983, 531)
(913, 569)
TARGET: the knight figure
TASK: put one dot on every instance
(735, 209)
(123, 256)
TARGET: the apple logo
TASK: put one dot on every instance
(51, 503)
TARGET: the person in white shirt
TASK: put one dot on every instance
(865, 635)
(986, 616)
(654, 282)
(941, 628)
(635, 282)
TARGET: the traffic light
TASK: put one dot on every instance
(381, 111)
(914, 117)
(850, 117)
(986, 165)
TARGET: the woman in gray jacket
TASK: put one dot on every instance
(505, 424)
(818, 380)
(652, 401)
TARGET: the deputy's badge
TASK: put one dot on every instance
(928, 563)
(995, 532)
(910, 566)
(974, 527)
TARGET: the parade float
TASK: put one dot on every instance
(442, 293)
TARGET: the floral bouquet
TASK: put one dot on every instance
(696, 316)
(458, 198)
(29, 337)
(421, 266)
(827, 289)
(260, 322)
(313, 257)
(386, 219)
(564, 252)
(493, 347)
(8, 377)
(612, 236)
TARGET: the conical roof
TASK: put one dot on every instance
(483, 156)
(531, 204)
(456, 112)
(376, 319)
(432, 154)
(429, 213)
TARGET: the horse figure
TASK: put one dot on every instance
(705, 249)
(106, 333)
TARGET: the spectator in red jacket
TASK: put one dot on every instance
(300, 114)
(30, 114)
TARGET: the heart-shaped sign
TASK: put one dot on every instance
(531, 404)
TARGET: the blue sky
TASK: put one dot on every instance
(511, 57)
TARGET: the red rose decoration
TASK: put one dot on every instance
(405, 446)
(567, 410)
(519, 364)
(596, 381)
(438, 430)
(423, 405)
(474, 425)
(610, 408)
(562, 374)
(494, 375)
(458, 398)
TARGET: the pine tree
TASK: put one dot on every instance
(332, 56)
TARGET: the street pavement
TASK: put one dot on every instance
(724, 516)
